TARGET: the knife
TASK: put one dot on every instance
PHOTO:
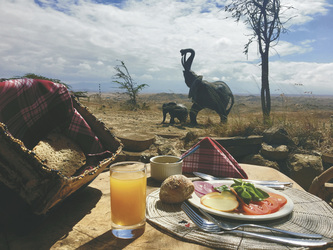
(269, 183)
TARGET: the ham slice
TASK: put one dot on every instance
(201, 188)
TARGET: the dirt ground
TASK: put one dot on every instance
(149, 122)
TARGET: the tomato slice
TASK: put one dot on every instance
(272, 203)
(258, 208)
(281, 199)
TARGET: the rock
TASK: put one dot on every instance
(257, 159)
(136, 142)
(276, 135)
(145, 156)
(304, 168)
(134, 156)
(165, 146)
(168, 136)
(274, 152)
(238, 140)
(327, 160)
(190, 136)
(168, 149)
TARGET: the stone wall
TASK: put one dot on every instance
(276, 149)
(273, 149)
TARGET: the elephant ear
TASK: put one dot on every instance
(194, 89)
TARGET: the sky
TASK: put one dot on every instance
(81, 41)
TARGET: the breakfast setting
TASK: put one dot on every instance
(68, 187)
(228, 210)
(158, 124)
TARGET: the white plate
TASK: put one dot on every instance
(285, 210)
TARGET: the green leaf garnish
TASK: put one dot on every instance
(245, 190)
(222, 188)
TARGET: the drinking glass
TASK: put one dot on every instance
(128, 182)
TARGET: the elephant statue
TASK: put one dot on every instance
(175, 110)
(212, 95)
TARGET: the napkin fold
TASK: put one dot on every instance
(212, 158)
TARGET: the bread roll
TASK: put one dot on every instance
(176, 189)
(61, 153)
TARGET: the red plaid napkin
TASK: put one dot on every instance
(32, 108)
(212, 158)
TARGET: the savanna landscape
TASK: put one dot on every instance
(307, 119)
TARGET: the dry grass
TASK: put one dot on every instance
(307, 120)
(310, 130)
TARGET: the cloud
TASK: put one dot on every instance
(284, 48)
(305, 11)
(301, 77)
(80, 41)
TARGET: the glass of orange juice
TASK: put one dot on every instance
(128, 182)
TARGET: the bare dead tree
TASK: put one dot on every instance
(264, 17)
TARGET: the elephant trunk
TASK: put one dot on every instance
(187, 63)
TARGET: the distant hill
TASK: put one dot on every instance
(165, 97)
(252, 102)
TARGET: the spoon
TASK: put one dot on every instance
(189, 153)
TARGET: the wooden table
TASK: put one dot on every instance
(83, 221)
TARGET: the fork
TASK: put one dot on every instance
(227, 227)
(210, 227)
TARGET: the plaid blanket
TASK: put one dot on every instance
(32, 108)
